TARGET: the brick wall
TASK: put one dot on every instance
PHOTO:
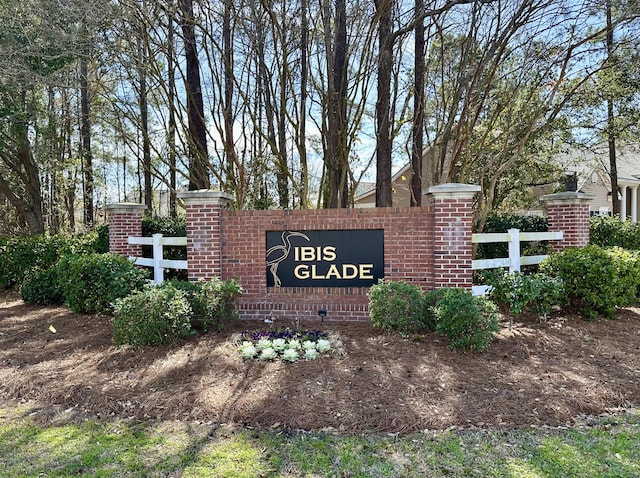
(408, 236)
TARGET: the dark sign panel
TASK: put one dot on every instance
(351, 258)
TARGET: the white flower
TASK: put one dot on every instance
(268, 354)
(247, 350)
(294, 344)
(279, 344)
(323, 345)
(310, 354)
(290, 355)
(263, 343)
(308, 345)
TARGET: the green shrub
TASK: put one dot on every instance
(469, 322)
(42, 288)
(397, 307)
(153, 316)
(21, 256)
(597, 280)
(92, 282)
(610, 231)
(212, 302)
(518, 292)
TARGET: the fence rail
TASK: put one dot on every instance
(159, 264)
(514, 262)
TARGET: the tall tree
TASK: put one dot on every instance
(197, 140)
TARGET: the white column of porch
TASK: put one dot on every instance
(634, 203)
(623, 203)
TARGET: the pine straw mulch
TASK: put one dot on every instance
(538, 374)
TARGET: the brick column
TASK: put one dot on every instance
(452, 227)
(204, 231)
(568, 212)
(125, 219)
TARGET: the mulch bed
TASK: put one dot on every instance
(537, 374)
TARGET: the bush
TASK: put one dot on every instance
(212, 302)
(609, 231)
(42, 288)
(21, 256)
(597, 280)
(469, 322)
(156, 315)
(397, 307)
(92, 282)
(518, 292)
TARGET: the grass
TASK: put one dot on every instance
(68, 446)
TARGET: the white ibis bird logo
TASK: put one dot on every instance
(279, 253)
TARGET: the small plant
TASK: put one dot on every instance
(397, 307)
(156, 315)
(213, 302)
(284, 344)
(518, 292)
(92, 282)
(469, 322)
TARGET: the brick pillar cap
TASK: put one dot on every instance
(453, 190)
(125, 208)
(206, 196)
(567, 197)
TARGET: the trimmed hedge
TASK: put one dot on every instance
(20, 256)
(597, 280)
(470, 323)
(92, 282)
(398, 307)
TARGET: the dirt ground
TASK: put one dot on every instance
(538, 374)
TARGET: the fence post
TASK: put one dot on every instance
(514, 250)
(452, 227)
(568, 212)
(125, 219)
(158, 272)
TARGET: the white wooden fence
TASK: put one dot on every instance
(159, 264)
(514, 237)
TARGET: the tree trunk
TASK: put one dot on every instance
(198, 154)
(384, 197)
(85, 144)
(144, 120)
(418, 111)
(611, 137)
(171, 139)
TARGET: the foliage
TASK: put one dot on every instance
(42, 287)
(503, 223)
(519, 292)
(92, 282)
(611, 231)
(469, 322)
(153, 316)
(597, 280)
(213, 301)
(397, 307)
(101, 242)
(20, 256)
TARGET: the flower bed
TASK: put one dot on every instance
(286, 345)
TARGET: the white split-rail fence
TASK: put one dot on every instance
(514, 237)
(159, 264)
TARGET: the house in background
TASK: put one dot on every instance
(589, 170)
(586, 171)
